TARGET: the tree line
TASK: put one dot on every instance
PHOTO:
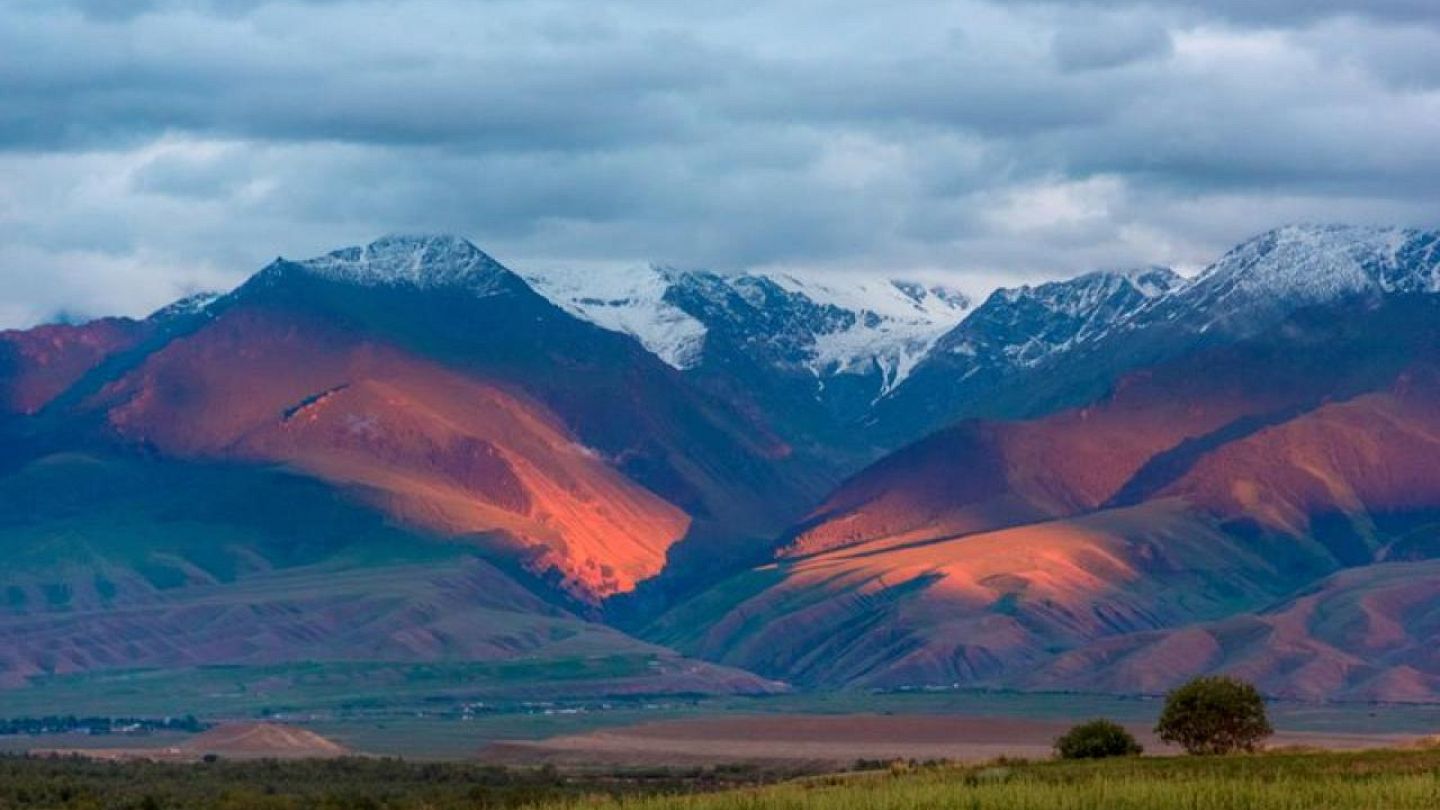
(69, 723)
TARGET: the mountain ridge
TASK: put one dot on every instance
(1001, 553)
(1128, 462)
(825, 327)
(425, 261)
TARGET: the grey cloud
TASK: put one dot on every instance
(124, 10)
(1095, 46)
(179, 144)
(84, 85)
(1284, 12)
(1404, 57)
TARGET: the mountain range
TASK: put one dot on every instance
(745, 481)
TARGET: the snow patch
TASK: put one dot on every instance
(894, 323)
(1301, 265)
(189, 305)
(630, 302)
(897, 322)
(425, 262)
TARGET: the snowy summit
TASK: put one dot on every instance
(1278, 272)
(825, 325)
(422, 261)
(631, 302)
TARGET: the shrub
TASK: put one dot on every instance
(1097, 739)
(1214, 715)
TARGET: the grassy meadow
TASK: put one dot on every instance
(1380, 780)
(1373, 780)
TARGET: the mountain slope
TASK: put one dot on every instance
(430, 447)
(1363, 634)
(428, 381)
(811, 353)
(1265, 279)
(1004, 362)
(122, 564)
(37, 365)
(980, 475)
(699, 452)
(922, 610)
(1008, 340)
(828, 326)
(1353, 472)
(1204, 489)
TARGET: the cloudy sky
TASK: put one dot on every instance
(154, 147)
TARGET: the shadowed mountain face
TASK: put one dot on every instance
(404, 452)
(1035, 350)
(813, 354)
(1363, 634)
(1008, 341)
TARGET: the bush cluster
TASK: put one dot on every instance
(1097, 739)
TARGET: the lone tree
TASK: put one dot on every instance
(1097, 739)
(1214, 715)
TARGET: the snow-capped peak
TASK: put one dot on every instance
(409, 260)
(1027, 325)
(192, 304)
(631, 302)
(833, 324)
(1302, 265)
(1084, 294)
(1150, 282)
(1314, 263)
(897, 322)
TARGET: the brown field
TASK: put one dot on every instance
(831, 740)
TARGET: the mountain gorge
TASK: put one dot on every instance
(1103, 483)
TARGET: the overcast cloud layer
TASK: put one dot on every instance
(150, 148)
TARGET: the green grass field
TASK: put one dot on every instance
(1383, 780)
(68, 783)
(1375, 780)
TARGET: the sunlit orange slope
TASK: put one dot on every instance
(973, 608)
(449, 453)
(37, 365)
(978, 476)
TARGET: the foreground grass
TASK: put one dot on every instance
(1386, 780)
(1379, 780)
(72, 783)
